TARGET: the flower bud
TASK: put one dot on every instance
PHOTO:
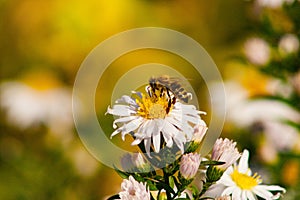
(126, 162)
(189, 165)
(225, 151)
(199, 132)
(138, 160)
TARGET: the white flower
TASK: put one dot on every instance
(189, 165)
(133, 190)
(225, 151)
(239, 182)
(257, 51)
(289, 43)
(270, 114)
(273, 3)
(27, 106)
(149, 118)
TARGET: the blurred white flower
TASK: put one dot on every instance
(133, 190)
(289, 43)
(273, 3)
(239, 182)
(269, 113)
(150, 117)
(224, 150)
(257, 51)
(278, 87)
(289, 139)
(189, 165)
(27, 106)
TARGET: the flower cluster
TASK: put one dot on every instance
(169, 134)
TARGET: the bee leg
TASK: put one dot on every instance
(169, 106)
(168, 93)
(161, 92)
(148, 88)
(174, 100)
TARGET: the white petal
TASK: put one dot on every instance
(123, 120)
(169, 129)
(116, 132)
(159, 124)
(226, 180)
(126, 99)
(156, 141)
(188, 130)
(168, 139)
(244, 194)
(147, 144)
(237, 194)
(192, 119)
(150, 128)
(180, 140)
(131, 126)
(120, 110)
(172, 120)
(229, 190)
(136, 141)
(272, 188)
(214, 191)
(259, 191)
(243, 163)
(141, 132)
(250, 195)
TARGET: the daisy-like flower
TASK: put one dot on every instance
(148, 118)
(133, 190)
(239, 182)
(224, 150)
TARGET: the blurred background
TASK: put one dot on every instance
(255, 45)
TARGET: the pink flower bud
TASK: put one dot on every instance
(225, 151)
(189, 165)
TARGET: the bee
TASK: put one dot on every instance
(171, 86)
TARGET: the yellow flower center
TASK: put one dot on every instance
(153, 107)
(245, 181)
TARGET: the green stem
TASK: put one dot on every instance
(166, 177)
(206, 185)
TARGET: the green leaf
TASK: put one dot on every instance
(165, 186)
(122, 174)
(210, 163)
